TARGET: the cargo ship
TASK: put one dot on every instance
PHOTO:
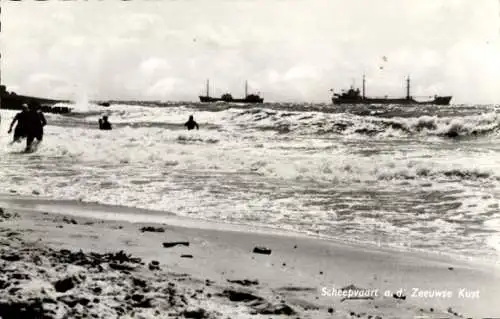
(13, 101)
(354, 96)
(227, 97)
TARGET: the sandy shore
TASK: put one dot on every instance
(66, 266)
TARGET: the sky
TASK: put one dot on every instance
(288, 50)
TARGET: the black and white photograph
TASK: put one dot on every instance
(250, 159)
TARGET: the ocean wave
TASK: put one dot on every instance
(310, 119)
(295, 166)
(196, 139)
(450, 174)
(349, 124)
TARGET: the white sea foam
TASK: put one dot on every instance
(304, 170)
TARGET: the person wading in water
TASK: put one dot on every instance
(104, 123)
(20, 130)
(35, 121)
(191, 124)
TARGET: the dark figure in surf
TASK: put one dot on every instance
(191, 124)
(35, 121)
(104, 123)
(20, 130)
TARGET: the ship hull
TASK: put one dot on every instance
(439, 100)
(208, 99)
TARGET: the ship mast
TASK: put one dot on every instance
(208, 88)
(364, 86)
(408, 88)
(246, 89)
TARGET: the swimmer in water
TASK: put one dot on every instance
(191, 124)
(104, 123)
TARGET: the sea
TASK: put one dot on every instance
(424, 178)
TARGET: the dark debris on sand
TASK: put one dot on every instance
(258, 304)
(175, 243)
(69, 221)
(244, 282)
(37, 281)
(152, 229)
(118, 261)
(4, 215)
(262, 250)
(40, 282)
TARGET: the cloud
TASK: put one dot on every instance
(163, 88)
(290, 50)
(301, 72)
(45, 78)
(50, 84)
(154, 66)
(64, 18)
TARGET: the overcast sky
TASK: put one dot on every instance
(290, 50)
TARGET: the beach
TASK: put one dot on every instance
(51, 264)
(250, 159)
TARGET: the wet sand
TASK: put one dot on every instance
(59, 264)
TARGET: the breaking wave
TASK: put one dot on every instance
(367, 173)
(351, 124)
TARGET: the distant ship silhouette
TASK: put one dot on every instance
(227, 97)
(353, 96)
